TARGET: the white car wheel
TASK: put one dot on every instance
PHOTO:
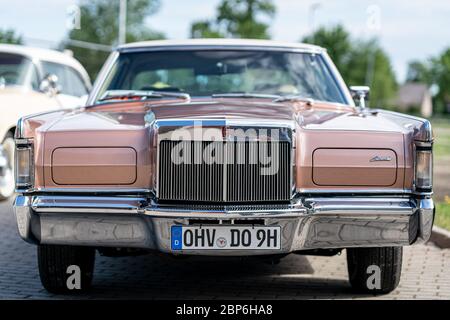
(7, 183)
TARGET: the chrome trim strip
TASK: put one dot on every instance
(103, 74)
(315, 206)
(91, 192)
(117, 191)
(342, 86)
(91, 204)
(243, 47)
(358, 206)
(381, 192)
(166, 126)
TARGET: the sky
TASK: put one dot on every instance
(407, 30)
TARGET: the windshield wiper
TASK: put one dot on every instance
(142, 95)
(246, 95)
(309, 101)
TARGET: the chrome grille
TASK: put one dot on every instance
(236, 175)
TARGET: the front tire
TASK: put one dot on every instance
(7, 182)
(55, 263)
(366, 264)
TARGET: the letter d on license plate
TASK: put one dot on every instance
(225, 238)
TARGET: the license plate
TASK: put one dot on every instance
(225, 237)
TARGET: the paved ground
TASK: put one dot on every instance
(425, 275)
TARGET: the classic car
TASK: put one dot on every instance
(34, 80)
(224, 148)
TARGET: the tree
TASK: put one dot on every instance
(419, 72)
(100, 24)
(237, 19)
(441, 70)
(355, 61)
(381, 80)
(337, 42)
(9, 36)
(205, 29)
(435, 72)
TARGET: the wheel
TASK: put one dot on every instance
(374, 270)
(7, 183)
(64, 269)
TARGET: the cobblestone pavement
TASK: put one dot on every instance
(425, 275)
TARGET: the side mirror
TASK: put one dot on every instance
(50, 85)
(360, 93)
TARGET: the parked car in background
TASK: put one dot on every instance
(224, 148)
(34, 80)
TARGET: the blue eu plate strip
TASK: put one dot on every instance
(176, 237)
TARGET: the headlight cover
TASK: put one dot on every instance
(24, 166)
(424, 169)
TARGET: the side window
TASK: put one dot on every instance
(59, 71)
(76, 85)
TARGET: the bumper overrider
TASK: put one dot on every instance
(306, 223)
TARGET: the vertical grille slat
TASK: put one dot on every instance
(236, 175)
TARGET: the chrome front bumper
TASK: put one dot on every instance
(306, 223)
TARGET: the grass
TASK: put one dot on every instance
(442, 218)
(441, 150)
(441, 129)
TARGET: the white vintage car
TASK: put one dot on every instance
(33, 80)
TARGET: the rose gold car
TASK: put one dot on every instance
(224, 148)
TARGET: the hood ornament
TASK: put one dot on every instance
(380, 158)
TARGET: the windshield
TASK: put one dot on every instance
(211, 72)
(14, 70)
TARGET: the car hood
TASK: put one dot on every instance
(125, 116)
(127, 131)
